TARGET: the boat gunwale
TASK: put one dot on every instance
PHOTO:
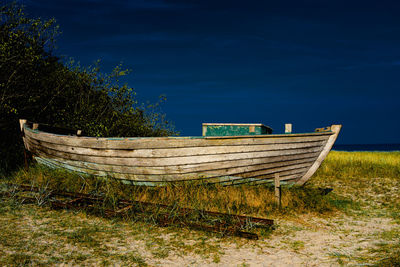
(310, 144)
(41, 138)
(36, 131)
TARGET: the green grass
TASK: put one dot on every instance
(350, 165)
(370, 178)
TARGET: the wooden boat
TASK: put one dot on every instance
(245, 153)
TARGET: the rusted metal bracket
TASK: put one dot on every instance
(323, 129)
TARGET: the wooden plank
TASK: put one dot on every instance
(268, 173)
(266, 136)
(171, 160)
(168, 142)
(237, 171)
(263, 174)
(171, 152)
(240, 172)
(186, 169)
(288, 175)
(227, 180)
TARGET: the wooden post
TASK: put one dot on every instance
(26, 153)
(204, 130)
(21, 124)
(277, 183)
(288, 128)
(26, 159)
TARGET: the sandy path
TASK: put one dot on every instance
(306, 242)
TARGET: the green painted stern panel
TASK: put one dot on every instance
(235, 129)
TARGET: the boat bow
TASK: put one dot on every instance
(335, 129)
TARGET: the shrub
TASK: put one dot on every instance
(37, 85)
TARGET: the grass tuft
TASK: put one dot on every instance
(243, 199)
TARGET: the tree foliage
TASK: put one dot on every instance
(37, 85)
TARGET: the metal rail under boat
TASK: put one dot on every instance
(227, 224)
(253, 158)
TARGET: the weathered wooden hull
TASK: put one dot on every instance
(156, 160)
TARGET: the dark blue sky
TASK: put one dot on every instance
(310, 63)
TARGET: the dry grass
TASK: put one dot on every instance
(243, 199)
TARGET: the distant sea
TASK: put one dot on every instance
(367, 147)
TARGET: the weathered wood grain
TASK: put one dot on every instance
(152, 161)
(171, 142)
(171, 152)
(335, 129)
(185, 169)
(277, 184)
(254, 170)
(169, 161)
(258, 174)
(285, 178)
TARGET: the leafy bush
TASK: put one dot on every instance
(37, 85)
